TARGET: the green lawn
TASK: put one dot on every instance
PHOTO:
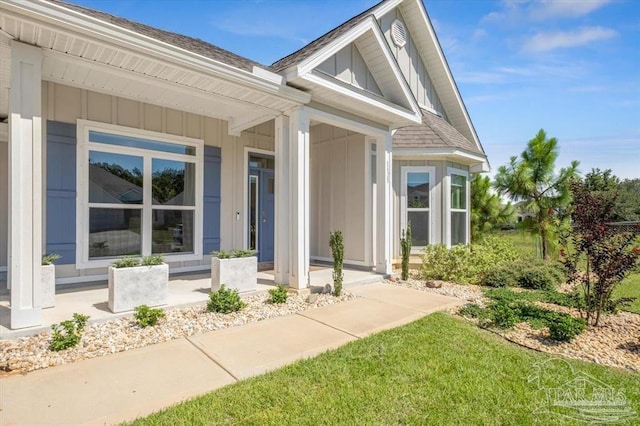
(630, 287)
(437, 370)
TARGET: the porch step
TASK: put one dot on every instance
(415, 262)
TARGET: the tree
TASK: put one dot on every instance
(487, 211)
(608, 254)
(626, 193)
(531, 178)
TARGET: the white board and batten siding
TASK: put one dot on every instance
(338, 185)
(4, 205)
(348, 65)
(411, 65)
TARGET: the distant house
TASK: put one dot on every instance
(363, 130)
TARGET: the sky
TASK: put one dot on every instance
(570, 67)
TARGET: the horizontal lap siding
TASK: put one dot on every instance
(61, 191)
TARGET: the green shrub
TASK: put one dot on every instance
(501, 277)
(467, 264)
(146, 316)
(49, 258)
(336, 242)
(473, 310)
(225, 301)
(126, 262)
(67, 334)
(565, 328)
(536, 278)
(152, 260)
(503, 315)
(279, 294)
(506, 295)
(233, 253)
(405, 248)
(575, 299)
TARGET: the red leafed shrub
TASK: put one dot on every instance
(609, 255)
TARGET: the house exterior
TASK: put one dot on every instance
(118, 138)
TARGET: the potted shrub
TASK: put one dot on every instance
(236, 269)
(48, 280)
(135, 281)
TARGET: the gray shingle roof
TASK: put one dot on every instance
(320, 42)
(191, 44)
(434, 132)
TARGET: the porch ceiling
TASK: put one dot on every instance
(79, 58)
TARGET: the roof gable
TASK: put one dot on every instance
(349, 66)
(364, 36)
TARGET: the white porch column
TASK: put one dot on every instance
(25, 185)
(282, 206)
(384, 219)
(299, 199)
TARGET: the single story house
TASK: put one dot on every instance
(119, 138)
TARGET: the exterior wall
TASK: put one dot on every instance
(68, 104)
(412, 65)
(349, 66)
(339, 182)
(4, 205)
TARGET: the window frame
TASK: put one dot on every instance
(404, 210)
(449, 210)
(147, 207)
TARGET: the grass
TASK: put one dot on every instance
(630, 287)
(437, 370)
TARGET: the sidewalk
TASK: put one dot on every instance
(135, 383)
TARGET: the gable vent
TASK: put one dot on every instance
(398, 33)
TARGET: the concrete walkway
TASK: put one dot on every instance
(135, 383)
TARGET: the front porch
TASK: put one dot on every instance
(184, 290)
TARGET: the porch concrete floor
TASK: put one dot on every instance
(184, 290)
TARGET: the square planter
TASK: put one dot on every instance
(48, 279)
(239, 273)
(140, 285)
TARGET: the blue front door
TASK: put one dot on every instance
(261, 208)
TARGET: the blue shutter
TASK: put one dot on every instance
(211, 208)
(61, 191)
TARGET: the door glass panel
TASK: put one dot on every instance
(114, 232)
(120, 140)
(458, 228)
(418, 190)
(173, 183)
(172, 231)
(419, 221)
(253, 212)
(115, 178)
(458, 192)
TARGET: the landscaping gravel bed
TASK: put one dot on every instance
(32, 353)
(615, 343)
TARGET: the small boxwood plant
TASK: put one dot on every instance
(279, 294)
(67, 334)
(146, 316)
(133, 261)
(225, 300)
(565, 328)
(126, 262)
(49, 258)
(233, 253)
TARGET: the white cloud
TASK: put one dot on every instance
(543, 42)
(544, 9)
(479, 34)
(514, 11)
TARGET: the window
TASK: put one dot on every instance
(139, 193)
(417, 185)
(458, 207)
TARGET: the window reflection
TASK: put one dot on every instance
(173, 182)
(115, 178)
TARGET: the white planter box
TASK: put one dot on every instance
(140, 285)
(239, 273)
(48, 279)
